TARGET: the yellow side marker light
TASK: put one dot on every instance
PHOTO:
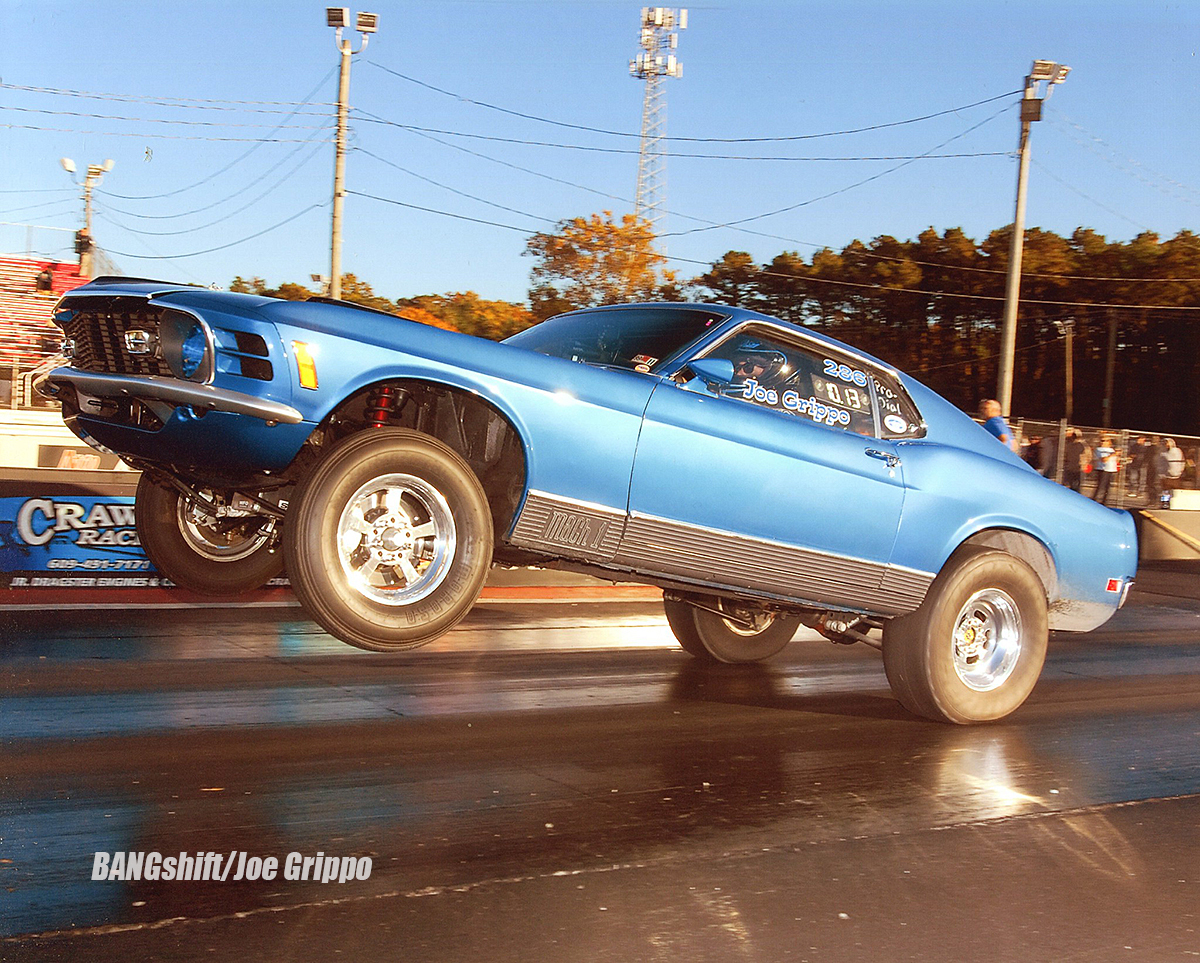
(307, 367)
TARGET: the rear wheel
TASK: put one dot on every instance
(213, 549)
(974, 649)
(734, 632)
(389, 540)
(683, 625)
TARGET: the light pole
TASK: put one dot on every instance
(366, 24)
(1031, 110)
(83, 238)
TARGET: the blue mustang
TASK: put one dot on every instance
(764, 475)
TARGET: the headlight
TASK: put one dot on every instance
(187, 346)
(193, 350)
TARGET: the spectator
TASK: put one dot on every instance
(994, 422)
(1048, 463)
(1031, 451)
(1073, 458)
(1107, 464)
(1135, 476)
(1156, 466)
(1174, 463)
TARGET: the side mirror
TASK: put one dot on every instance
(713, 372)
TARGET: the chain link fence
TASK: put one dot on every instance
(1121, 467)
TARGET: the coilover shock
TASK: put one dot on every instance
(383, 402)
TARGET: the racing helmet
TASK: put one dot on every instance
(752, 352)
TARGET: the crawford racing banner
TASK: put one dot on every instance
(71, 541)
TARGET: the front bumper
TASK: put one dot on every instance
(169, 391)
(152, 419)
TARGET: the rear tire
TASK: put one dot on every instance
(389, 540)
(974, 649)
(710, 637)
(683, 625)
(222, 557)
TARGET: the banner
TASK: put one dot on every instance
(71, 541)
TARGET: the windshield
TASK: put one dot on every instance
(635, 338)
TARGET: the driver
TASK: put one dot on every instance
(755, 361)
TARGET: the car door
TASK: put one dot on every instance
(775, 480)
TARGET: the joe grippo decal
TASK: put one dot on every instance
(791, 401)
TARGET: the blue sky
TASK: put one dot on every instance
(1117, 150)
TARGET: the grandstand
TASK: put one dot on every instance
(27, 335)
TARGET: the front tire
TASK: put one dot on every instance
(389, 540)
(974, 649)
(225, 555)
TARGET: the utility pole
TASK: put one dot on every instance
(654, 64)
(1031, 110)
(1067, 328)
(366, 24)
(1110, 368)
(83, 237)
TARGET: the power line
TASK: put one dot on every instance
(221, 220)
(1093, 141)
(775, 237)
(693, 156)
(270, 170)
(807, 278)
(237, 160)
(696, 140)
(162, 101)
(161, 120)
(115, 133)
(222, 247)
(843, 190)
(430, 210)
(452, 190)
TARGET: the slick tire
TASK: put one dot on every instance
(221, 558)
(389, 540)
(974, 649)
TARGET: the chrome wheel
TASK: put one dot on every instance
(396, 539)
(743, 620)
(228, 536)
(987, 639)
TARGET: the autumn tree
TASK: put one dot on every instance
(469, 313)
(596, 260)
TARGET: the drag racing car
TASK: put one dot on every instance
(762, 474)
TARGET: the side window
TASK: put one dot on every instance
(820, 386)
(898, 416)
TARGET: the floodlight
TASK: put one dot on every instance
(367, 23)
(1043, 70)
(109, 164)
(68, 165)
(1060, 74)
(337, 16)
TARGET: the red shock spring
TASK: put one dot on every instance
(382, 404)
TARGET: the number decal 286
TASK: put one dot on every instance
(843, 371)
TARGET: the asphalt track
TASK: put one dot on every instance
(555, 780)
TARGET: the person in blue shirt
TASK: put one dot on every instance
(994, 422)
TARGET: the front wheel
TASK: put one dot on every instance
(213, 549)
(389, 540)
(974, 649)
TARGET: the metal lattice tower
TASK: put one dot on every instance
(654, 64)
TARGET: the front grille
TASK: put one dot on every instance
(98, 326)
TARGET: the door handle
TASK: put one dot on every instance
(892, 460)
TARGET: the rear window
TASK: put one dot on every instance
(634, 338)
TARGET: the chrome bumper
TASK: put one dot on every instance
(169, 390)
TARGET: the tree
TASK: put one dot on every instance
(734, 279)
(469, 313)
(593, 261)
